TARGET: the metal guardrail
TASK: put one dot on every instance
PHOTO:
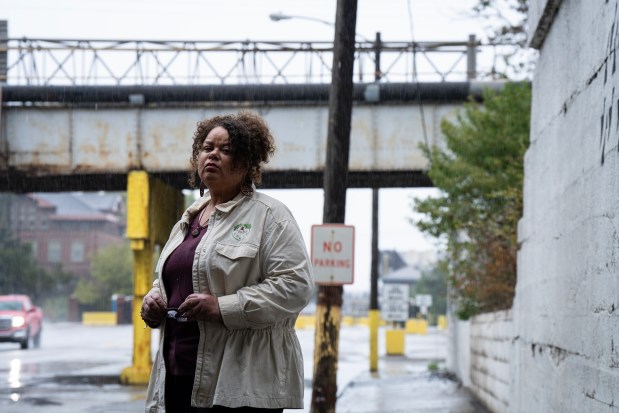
(147, 62)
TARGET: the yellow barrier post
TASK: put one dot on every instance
(146, 227)
(417, 326)
(374, 321)
(395, 342)
(99, 318)
(138, 232)
(305, 321)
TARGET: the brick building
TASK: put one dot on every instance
(65, 228)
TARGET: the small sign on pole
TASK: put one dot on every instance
(423, 301)
(394, 305)
(333, 254)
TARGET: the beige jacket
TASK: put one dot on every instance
(254, 259)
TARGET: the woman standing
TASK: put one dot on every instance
(231, 281)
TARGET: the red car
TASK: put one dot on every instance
(20, 320)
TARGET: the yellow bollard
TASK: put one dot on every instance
(347, 321)
(395, 342)
(374, 317)
(442, 322)
(305, 321)
(417, 326)
(99, 318)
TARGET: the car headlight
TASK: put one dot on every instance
(18, 321)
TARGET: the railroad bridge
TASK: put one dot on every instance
(82, 114)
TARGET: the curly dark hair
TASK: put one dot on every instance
(251, 144)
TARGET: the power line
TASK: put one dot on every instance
(416, 75)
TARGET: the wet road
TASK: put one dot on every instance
(77, 367)
(75, 370)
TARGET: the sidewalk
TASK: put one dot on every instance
(401, 386)
(402, 383)
(77, 370)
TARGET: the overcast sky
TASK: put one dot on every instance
(397, 20)
(232, 19)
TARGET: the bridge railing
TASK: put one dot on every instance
(148, 62)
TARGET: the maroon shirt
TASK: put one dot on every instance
(180, 348)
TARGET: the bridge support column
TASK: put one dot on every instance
(152, 209)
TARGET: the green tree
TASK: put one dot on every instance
(433, 281)
(506, 26)
(480, 175)
(111, 273)
(20, 273)
(507, 20)
(189, 198)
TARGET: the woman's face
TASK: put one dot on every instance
(215, 163)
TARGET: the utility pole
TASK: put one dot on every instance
(374, 313)
(4, 65)
(329, 302)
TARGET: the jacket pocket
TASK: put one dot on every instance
(236, 251)
(234, 267)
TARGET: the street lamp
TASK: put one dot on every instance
(281, 16)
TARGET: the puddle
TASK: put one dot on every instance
(98, 380)
(39, 401)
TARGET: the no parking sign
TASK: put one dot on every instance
(333, 253)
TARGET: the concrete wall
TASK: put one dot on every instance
(566, 309)
(492, 337)
(480, 352)
(541, 16)
(459, 349)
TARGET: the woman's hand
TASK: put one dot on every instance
(153, 310)
(201, 307)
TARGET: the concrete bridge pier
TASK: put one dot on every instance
(153, 207)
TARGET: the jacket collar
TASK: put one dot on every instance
(202, 202)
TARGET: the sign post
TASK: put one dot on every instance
(423, 301)
(394, 306)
